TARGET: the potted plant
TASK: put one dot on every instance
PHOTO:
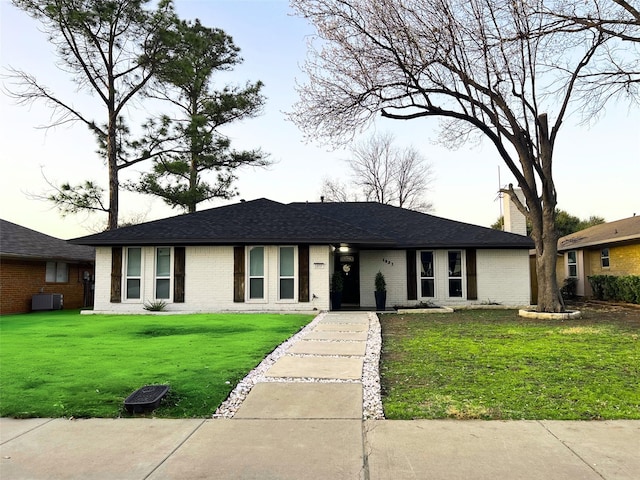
(337, 284)
(381, 292)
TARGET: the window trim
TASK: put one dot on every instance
(264, 276)
(127, 277)
(294, 277)
(419, 272)
(56, 266)
(607, 257)
(463, 293)
(574, 263)
(170, 277)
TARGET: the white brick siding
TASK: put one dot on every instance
(514, 220)
(102, 292)
(209, 282)
(503, 277)
(320, 263)
(392, 264)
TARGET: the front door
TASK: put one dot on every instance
(348, 264)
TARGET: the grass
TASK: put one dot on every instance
(63, 364)
(492, 364)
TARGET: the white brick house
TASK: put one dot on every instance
(266, 256)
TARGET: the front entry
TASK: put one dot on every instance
(349, 265)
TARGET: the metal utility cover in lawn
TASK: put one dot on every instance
(146, 398)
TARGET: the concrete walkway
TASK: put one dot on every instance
(304, 420)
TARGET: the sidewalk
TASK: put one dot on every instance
(303, 419)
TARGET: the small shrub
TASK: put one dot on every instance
(155, 306)
(570, 287)
(381, 284)
(597, 286)
(629, 288)
(612, 288)
(419, 305)
(490, 302)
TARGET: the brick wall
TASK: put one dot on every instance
(209, 282)
(623, 260)
(502, 276)
(20, 280)
(393, 265)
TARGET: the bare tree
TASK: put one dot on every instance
(617, 18)
(372, 166)
(384, 173)
(412, 179)
(617, 73)
(333, 190)
(387, 174)
(481, 66)
(110, 48)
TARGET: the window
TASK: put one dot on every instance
(604, 258)
(287, 273)
(163, 273)
(133, 273)
(256, 273)
(572, 264)
(455, 273)
(57, 272)
(427, 280)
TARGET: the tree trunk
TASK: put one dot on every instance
(112, 143)
(541, 212)
(193, 160)
(549, 299)
(548, 293)
(112, 161)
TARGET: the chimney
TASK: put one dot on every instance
(514, 220)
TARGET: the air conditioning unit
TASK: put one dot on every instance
(46, 301)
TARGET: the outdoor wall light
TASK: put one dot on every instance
(343, 249)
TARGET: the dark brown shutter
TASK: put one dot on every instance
(116, 274)
(238, 274)
(412, 276)
(178, 274)
(303, 273)
(472, 279)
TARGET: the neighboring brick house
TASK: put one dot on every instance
(34, 263)
(607, 249)
(267, 256)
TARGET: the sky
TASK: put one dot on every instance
(596, 167)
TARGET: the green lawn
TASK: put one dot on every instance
(55, 364)
(496, 365)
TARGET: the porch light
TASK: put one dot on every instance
(343, 249)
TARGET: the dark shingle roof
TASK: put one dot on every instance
(257, 221)
(264, 221)
(411, 229)
(22, 242)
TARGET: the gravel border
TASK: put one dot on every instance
(371, 393)
(371, 401)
